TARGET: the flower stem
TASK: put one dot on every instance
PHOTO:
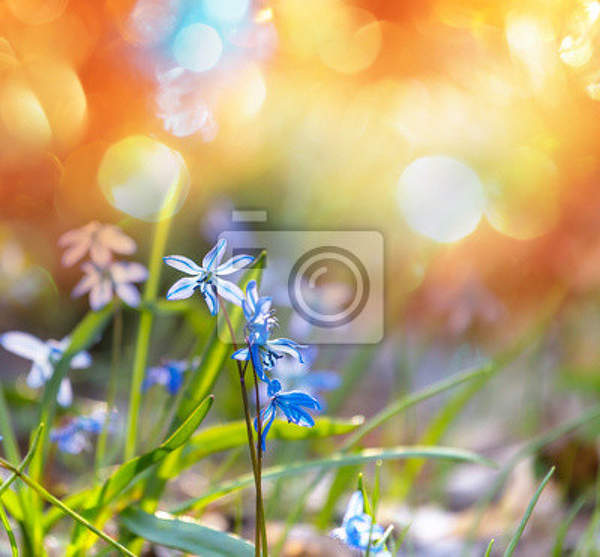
(260, 529)
(259, 459)
(111, 393)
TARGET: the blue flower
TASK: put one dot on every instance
(44, 355)
(73, 437)
(99, 239)
(356, 528)
(291, 403)
(260, 321)
(169, 375)
(207, 278)
(104, 282)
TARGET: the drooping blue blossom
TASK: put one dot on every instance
(356, 528)
(207, 278)
(100, 240)
(293, 404)
(170, 375)
(103, 283)
(44, 355)
(73, 437)
(260, 321)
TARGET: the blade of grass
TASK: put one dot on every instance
(517, 536)
(142, 346)
(335, 461)
(488, 551)
(9, 532)
(563, 528)
(528, 449)
(42, 492)
(186, 536)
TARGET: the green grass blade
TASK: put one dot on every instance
(9, 532)
(517, 536)
(488, 551)
(563, 528)
(142, 346)
(399, 406)
(335, 461)
(43, 493)
(185, 536)
(527, 450)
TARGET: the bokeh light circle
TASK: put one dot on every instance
(144, 178)
(228, 11)
(441, 198)
(197, 47)
(523, 195)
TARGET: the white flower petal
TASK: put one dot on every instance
(234, 264)
(101, 294)
(65, 393)
(128, 272)
(129, 294)
(182, 289)
(112, 237)
(24, 345)
(81, 360)
(229, 291)
(214, 256)
(39, 374)
(183, 264)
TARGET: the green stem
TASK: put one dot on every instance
(58, 503)
(159, 241)
(250, 435)
(9, 532)
(111, 393)
(260, 511)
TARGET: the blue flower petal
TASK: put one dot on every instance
(182, 289)
(234, 264)
(183, 264)
(24, 345)
(229, 291)
(214, 256)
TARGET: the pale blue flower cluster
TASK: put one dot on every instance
(261, 350)
(44, 356)
(169, 374)
(73, 437)
(358, 529)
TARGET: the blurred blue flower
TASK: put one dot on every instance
(100, 240)
(169, 375)
(294, 375)
(73, 437)
(356, 528)
(207, 278)
(44, 355)
(104, 282)
(291, 403)
(260, 321)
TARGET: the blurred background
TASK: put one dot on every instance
(465, 131)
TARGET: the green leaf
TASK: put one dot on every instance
(126, 473)
(335, 461)
(515, 539)
(185, 536)
(488, 551)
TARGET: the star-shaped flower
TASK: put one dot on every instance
(291, 403)
(44, 355)
(104, 282)
(207, 277)
(356, 529)
(100, 240)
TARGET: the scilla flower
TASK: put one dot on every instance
(356, 529)
(207, 278)
(44, 355)
(260, 321)
(103, 283)
(169, 375)
(73, 437)
(291, 403)
(100, 240)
